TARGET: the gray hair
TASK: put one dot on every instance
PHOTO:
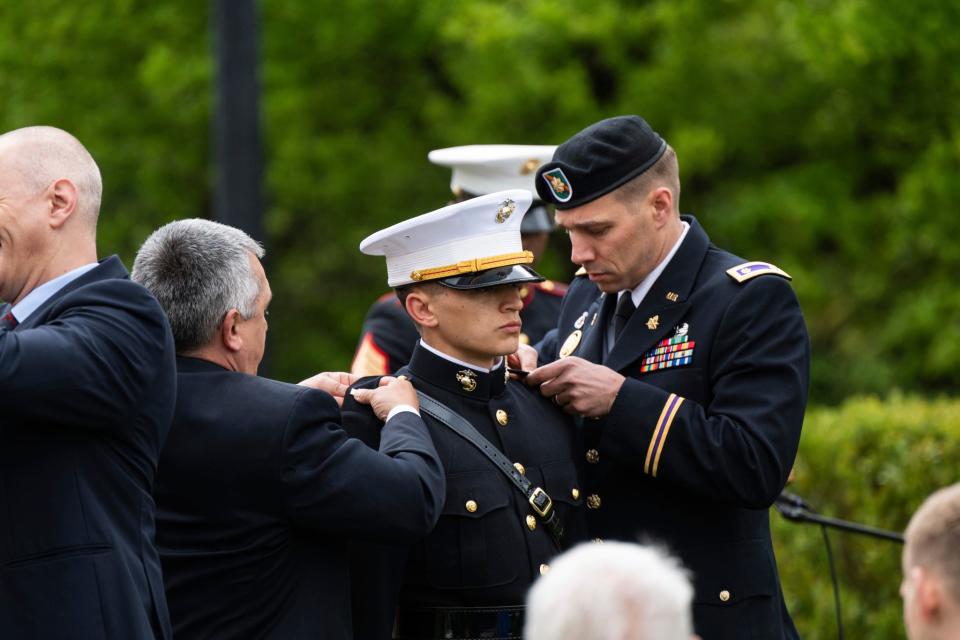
(611, 591)
(198, 270)
(41, 155)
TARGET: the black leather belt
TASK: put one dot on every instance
(459, 623)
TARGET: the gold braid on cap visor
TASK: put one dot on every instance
(472, 266)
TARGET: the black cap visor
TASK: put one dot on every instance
(512, 274)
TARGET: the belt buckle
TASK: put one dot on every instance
(539, 497)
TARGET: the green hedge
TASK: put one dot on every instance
(870, 461)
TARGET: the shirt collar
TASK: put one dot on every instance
(641, 290)
(460, 362)
(32, 301)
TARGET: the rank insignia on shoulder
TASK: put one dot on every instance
(748, 270)
(669, 352)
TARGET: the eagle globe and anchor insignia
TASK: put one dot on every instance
(467, 379)
(506, 209)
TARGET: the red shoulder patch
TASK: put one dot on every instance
(552, 287)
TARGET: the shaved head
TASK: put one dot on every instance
(41, 155)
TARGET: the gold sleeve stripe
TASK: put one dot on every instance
(653, 438)
(659, 436)
(666, 432)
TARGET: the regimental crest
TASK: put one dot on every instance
(505, 210)
(559, 184)
(467, 379)
(669, 352)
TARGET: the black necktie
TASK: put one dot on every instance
(621, 316)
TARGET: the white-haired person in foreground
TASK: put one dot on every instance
(931, 568)
(611, 591)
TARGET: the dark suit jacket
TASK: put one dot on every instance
(87, 386)
(701, 437)
(259, 490)
(388, 335)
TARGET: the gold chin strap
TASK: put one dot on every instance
(472, 266)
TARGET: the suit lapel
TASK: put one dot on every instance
(665, 304)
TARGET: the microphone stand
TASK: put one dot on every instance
(795, 509)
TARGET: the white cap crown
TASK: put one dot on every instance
(474, 235)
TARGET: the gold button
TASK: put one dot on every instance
(724, 595)
(519, 467)
(471, 506)
(593, 501)
(575, 493)
(593, 456)
(531, 523)
(502, 417)
(544, 568)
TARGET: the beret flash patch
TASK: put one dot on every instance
(559, 185)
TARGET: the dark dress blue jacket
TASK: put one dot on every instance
(704, 431)
(487, 548)
(258, 492)
(87, 386)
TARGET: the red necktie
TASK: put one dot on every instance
(8, 321)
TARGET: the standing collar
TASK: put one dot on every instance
(456, 376)
(33, 300)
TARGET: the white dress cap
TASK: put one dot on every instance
(475, 235)
(479, 169)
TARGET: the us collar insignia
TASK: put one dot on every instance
(669, 352)
(653, 322)
(672, 296)
(571, 343)
(507, 207)
(467, 379)
(579, 323)
(559, 184)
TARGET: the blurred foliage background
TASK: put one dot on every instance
(821, 135)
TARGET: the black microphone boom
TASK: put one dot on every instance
(794, 508)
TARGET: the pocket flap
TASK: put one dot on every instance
(475, 494)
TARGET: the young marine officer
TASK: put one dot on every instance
(388, 334)
(692, 365)
(459, 272)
